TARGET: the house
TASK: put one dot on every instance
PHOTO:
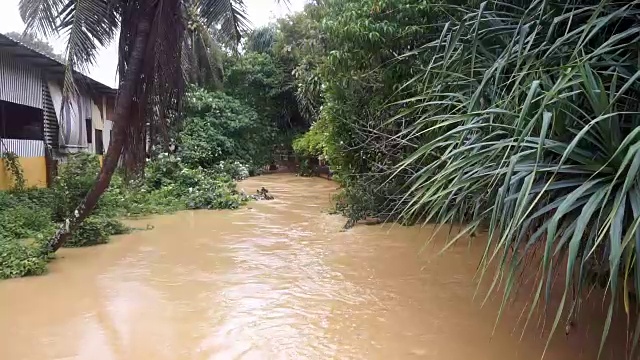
(36, 124)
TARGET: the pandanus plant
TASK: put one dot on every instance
(158, 41)
(532, 112)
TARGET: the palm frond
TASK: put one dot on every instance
(40, 16)
(230, 15)
(204, 61)
(89, 25)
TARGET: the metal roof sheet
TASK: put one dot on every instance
(48, 64)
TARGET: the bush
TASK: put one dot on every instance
(22, 222)
(132, 200)
(25, 222)
(96, 230)
(218, 127)
(196, 188)
(313, 142)
(170, 185)
(25, 214)
(12, 164)
(214, 192)
(18, 258)
(305, 169)
(235, 169)
(162, 171)
(75, 179)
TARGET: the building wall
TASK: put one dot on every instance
(19, 82)
(22, 84)
(64, 128)
(31, 156)
(34, 169)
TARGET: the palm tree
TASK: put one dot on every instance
(203, 46)
(151, 43)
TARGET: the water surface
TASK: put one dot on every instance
(275, 280)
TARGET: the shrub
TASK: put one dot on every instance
(25, 214)
(162, 171)
(23, 222)
(305, 169)
(75, 179)
(170, 185)
(214, 192)
(18, 258)
(218, 127)
(96, 230)
(313, 142)
(134, 199)
(12, 164)
(235, 169)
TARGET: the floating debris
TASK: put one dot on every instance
(262, 194)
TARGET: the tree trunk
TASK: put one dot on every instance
(126, 93)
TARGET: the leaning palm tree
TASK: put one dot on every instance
(151, 41)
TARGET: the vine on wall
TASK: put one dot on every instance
(12, 164)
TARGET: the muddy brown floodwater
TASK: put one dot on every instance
(275, 280)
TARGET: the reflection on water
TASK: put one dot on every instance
(275, 280)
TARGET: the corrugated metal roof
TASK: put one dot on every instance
(48, 64)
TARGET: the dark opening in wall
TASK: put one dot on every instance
(89, 129)
(99, 144)
(20, 122)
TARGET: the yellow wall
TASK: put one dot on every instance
(35, 172)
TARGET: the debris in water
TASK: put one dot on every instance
(262, 194)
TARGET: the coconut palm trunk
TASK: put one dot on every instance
(111, 158)
(151, 47)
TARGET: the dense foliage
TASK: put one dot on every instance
(219, 127)
(361, 72)
(521, 119)
(185, 187)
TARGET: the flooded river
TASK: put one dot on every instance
(275, 280)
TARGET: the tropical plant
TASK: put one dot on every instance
(527, 124)
(313, 142)
(20, 259)
(300, 44)
(75, 179)
(361, 75)
(151, 42)
(204, 43)
(218, 127)
(260, 80)
(96, 230)
(261, 40)
(193, 187)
